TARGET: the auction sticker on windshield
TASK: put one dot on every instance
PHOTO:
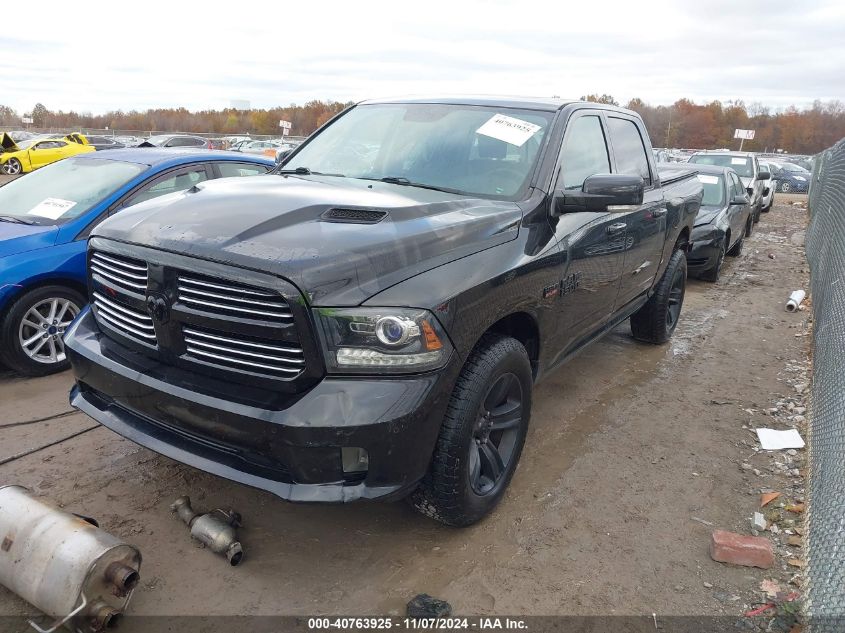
(508, 129)
(738, 161)
(52, 208)
(708, 180)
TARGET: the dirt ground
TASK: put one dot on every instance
(634, 455)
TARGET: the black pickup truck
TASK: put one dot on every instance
(369, 320)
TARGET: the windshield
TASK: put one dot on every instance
(25, 144)
(793, 168)
(471, 150)
(740, 164)
(714, 190)
(64, 190)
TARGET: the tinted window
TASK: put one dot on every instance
(171, 184)
(629, 149)
(50, 145)
(584, 152)
(240, 169)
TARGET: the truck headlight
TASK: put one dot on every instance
(389, 340)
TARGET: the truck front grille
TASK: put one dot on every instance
(124, 272)
(247, 354)
(128, 321)
(228, 298)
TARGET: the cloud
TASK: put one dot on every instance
(203, 55)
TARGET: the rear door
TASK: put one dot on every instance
(645, 231)
(591, 243)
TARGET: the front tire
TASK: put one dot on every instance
(482, 434)
(32, 330)
(12, 167)
(736, 249)
(657, 319)
(712, 274)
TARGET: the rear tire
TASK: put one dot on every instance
(473, 460)
(785, 187)
(657, 319)
(32, 330)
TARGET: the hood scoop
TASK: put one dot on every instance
(354, 216)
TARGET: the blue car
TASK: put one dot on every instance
(45, 220)
(791, 178)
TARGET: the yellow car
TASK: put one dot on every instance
(30, 155)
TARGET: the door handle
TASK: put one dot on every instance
(658, 213)
(616, 227)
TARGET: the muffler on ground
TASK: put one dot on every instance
(217, 529)
(63, 564)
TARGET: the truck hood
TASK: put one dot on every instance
(20, 238)
(277, 224)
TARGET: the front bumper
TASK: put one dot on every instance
(704, 249)
(294, 452)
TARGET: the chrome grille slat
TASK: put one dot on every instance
(218, 286)
(127, 321)
(148, 338)
(233, 308)
(121, 271)
(231, 350)
(214, 295)
(250, 363)
(263, 346)
(225, 349)
(232, 299)
(125, 276)
(118, 280)
(127, 311)
(122, 264)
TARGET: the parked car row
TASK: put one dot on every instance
(737, 189)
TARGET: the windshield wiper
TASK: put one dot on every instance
(16, 220)
(304, 171)
(401, 180)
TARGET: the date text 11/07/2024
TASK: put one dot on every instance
(417, 624)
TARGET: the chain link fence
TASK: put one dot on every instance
(825, 244)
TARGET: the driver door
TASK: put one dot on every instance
(592, 243)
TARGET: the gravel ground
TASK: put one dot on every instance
(634, 455)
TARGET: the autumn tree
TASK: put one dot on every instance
(39, 115)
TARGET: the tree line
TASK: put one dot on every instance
(682, 124)
(685, 124)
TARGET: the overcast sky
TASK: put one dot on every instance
(100, 56)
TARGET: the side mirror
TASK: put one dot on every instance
(739, 199)
(764, 175)
(281, 156)
(750, 190)
(600, 193)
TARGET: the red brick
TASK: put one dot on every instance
(751, 551)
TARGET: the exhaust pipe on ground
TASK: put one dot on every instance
(216, 529)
